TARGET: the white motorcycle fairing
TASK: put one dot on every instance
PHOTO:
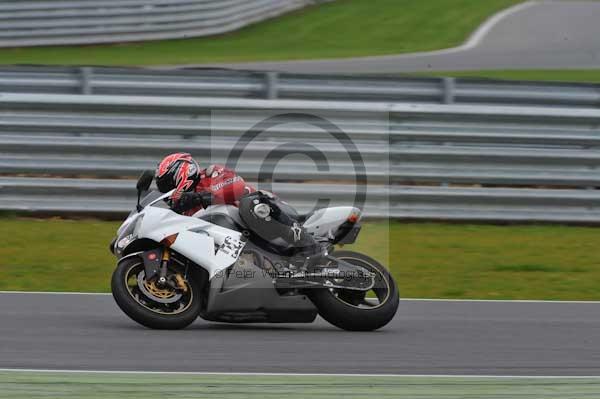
(324, 222)
(213, 247)
(196, 239)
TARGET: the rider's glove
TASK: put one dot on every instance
(189, 201)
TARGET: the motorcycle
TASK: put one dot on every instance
(172, 269)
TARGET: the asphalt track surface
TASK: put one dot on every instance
(89, 332)
(531, 35)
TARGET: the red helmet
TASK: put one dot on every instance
(177, 171)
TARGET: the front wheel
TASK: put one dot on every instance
(167, 307)
(359, 310)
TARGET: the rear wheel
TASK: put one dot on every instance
(170, 306)
(355, 310)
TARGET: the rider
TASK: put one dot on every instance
(196, 189)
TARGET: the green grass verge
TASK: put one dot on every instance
(16, 385)
(427, 259)
(558, 75)
(344, 28)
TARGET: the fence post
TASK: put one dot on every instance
(448, 90)
(86, 78)
(271, 82)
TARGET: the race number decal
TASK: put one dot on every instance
(231, 247)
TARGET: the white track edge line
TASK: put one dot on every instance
(476, 37)
(209, 373)
(54, 293)
(495, 300)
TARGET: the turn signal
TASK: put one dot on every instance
(353, 218)
(169, 240)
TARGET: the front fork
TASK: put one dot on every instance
(162, 274)
(156, 263)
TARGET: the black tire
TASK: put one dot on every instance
(143, 315)
(353, 318)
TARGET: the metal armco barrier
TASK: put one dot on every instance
(52, 22)
(423, 161)
(273, 85)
